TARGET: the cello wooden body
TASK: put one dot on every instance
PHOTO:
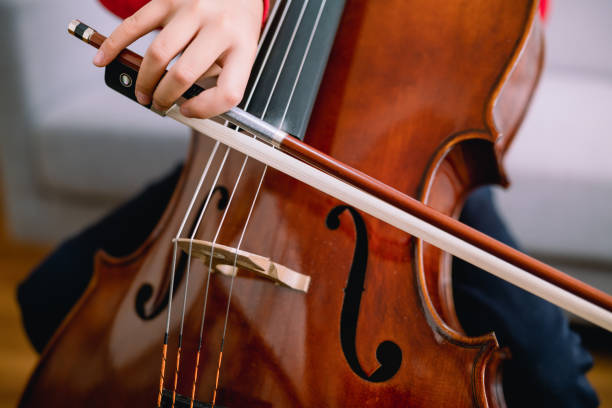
(422, 95)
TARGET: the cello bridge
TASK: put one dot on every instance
(224, 258)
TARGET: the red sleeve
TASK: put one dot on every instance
(125, 8)
(544, 9)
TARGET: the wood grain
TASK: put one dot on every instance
(401, 86)
(17, 356)
(285, 348)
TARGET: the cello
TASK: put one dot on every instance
(432, 125)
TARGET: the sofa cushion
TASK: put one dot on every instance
(102, 144)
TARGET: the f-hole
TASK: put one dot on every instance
(146, 290)
(388, 354)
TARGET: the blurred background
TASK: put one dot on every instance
(71, 150)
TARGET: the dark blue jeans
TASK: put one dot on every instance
(548, 362)
(547, 366)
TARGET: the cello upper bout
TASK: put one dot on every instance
(475, 158)
(516, 88)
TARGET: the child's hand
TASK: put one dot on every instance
(206, 31)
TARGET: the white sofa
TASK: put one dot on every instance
(560, 202)
(71, 149)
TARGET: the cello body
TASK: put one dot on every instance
(423, 95)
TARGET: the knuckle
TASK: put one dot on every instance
(232, 96)
(225, 22)
(111, 43)
(195, 111)
(162, 101)
(159, 53)
(183, 76)
(172, 4)
(142, 87)
(131, 23)
(198, 7)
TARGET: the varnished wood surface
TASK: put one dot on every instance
(18, 358)
(398, 90)
(286, 348)
(505, 118)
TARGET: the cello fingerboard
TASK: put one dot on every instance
(293, 56)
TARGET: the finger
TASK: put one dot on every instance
(209, 78)
(229, 90)
(167, 45)
(195, 61)
(145, 20)
(213, 71)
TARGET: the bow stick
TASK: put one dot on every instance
(310, 166)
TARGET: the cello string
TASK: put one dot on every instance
(268, 51)
(196, 193)
(263, 37)
(248, 101)
(244, 163)
(264, 34)
(227, 309)
(246, 106)
(282, 65)
(216, 146)
(234, 272)
(195, 377)
(197, 226)
(180, 337)
(173, 272)
(256, 82)
(306, 52)
(271, 93)
(265, 168)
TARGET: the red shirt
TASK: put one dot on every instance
(125, 8)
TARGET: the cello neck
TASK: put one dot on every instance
(291, 62)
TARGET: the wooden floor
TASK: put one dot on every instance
(17, 357)
(601, 375)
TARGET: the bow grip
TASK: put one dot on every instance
(122, 79)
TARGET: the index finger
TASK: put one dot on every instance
(145, 20)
